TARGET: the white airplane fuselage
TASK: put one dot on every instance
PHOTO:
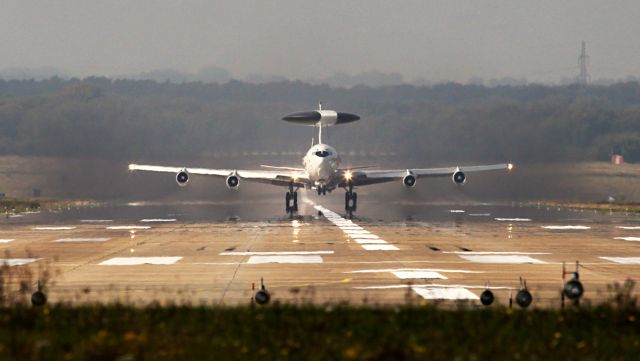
(322, 164)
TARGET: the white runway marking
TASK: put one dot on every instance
(414, 269)
(456, 211)
(96, 220)
(286, 253)
(502, 259)
(445, 293)
(623, 260)
(404, 275)
(380, 247)
(513, 219)
(71, 240)
(128, 227)
(6, 240)
(134, 261)
(480, 214)
(369, 241)
(149, 220)
(16, 216)
(53, 228)
(629, 227)
(364, 236)
(284, 259)
(635, 239)
(16, 261)
(567, 227)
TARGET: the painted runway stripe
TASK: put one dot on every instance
(629, 227)
(96, 220)
(513, 219)
(134, 261)
(149, 220)
(369, 241)
(284, 259)
(414, 269)
(623, 260)
(445, 293)
(634, 239)
(286, 253)
(6, 240)
(456, 211)
(567, 227)
(65, 228)
(128, 227)
(432, 285)
(479, 214)
(11, 262)
(380, 247)
(72, 240)
(406, 275)
(510, 259)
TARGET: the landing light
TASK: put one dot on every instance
(132, 167)
(348, 175)
(510, 166)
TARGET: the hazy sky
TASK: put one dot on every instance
(435, 40)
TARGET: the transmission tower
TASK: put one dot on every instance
(583, 78)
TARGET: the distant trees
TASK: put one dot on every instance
(134, 119)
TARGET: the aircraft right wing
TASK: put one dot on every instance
(280, 177)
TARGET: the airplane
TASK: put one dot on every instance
(321, 169)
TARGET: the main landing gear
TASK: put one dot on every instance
(291, 200)
(350, 200)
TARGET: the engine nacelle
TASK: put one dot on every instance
(182, 178)
(459, 177)
(233, 182)
(409, 181)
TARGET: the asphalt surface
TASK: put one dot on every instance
(389, 253)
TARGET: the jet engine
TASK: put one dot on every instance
(233, 182)
(409, 181)
(459, 177)
(182, 178)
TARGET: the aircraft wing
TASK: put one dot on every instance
(370, 176)
(275, 177)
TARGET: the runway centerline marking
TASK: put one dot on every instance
(357, 233)
(453, 293)
(285, 253)
(567, 227)
(629, 227)
(510, 259)
(127, 227)
(135, 261)
(513, 219)
(151, 220)
(72, 240)
(634, 239)
(11, 262)
(6, 240)
(405, 275)
(288, 259)
(96, 220)
(623, 260)
(495, 253)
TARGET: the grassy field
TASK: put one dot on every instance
(317, 333)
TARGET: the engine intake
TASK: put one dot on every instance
(409, 181)
(459, 177)
(233, 182)
(182, 178)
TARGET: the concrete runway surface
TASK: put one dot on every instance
(390, 253)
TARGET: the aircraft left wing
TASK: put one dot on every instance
(369, 176)
(276, 177)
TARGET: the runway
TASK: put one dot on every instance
(390, 253)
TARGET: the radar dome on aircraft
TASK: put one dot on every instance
(321, 117)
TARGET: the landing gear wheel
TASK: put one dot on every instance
(350, 202)
(291, 202)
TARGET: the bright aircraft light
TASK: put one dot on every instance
(510, 166)
(348, 175)
(132, 166)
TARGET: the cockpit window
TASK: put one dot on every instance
(322, 153)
